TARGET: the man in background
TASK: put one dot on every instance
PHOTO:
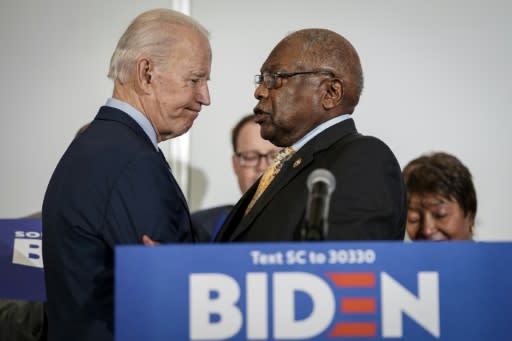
(307, 92)
(251, 156)
(113, 186)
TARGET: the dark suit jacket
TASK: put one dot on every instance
(206, 223)
(110, 187)
(369, 201)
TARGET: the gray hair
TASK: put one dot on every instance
(150, 33)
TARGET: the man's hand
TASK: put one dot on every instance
(148, 241)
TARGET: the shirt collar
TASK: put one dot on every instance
(139, 117)
(317, 130)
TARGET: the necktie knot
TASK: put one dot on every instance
(283, 155)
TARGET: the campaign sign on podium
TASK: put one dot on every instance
(315, 291)
(21, 259)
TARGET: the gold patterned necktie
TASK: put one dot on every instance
(270, 173)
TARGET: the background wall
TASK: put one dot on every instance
(54, 62)
(437, 78)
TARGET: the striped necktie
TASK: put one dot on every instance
(270, 173)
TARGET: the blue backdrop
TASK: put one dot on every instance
(21, 260)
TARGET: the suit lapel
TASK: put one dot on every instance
(112, 114)
(287, 173)
(291, 168)
(235, 220)
(173, 179)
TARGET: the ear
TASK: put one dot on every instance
(470, 220)
(144, 74)
(334, 93)
(234, 162)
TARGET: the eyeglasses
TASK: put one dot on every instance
(274, 80)
(252, 159)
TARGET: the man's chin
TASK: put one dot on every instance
(267, 131)
(165, 137)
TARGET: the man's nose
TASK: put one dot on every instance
(262, 164)
(203, 95)
(261, 91)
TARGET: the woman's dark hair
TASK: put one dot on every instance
(442, 174)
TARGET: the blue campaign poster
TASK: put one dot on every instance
(21, 259)
(315, 291)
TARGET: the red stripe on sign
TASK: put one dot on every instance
(353, 279)
(354, 329)
(363, 305)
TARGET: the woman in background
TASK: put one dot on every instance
(441, 198)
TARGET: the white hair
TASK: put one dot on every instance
(152, 33)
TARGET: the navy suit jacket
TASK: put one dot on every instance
(206, 223)
(369, 202)
(110, 188)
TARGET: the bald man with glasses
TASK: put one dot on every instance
(306, 92)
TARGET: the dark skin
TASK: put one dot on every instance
(434, 217)
(302, 102)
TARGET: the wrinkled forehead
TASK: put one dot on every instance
(288, 55)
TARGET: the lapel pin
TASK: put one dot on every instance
(297, 163)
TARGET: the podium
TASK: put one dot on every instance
(315, 291)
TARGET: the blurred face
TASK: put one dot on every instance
(433, 217)
(249, 142)
(180, 89)
(286, 113)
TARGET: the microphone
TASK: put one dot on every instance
(321, 183)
